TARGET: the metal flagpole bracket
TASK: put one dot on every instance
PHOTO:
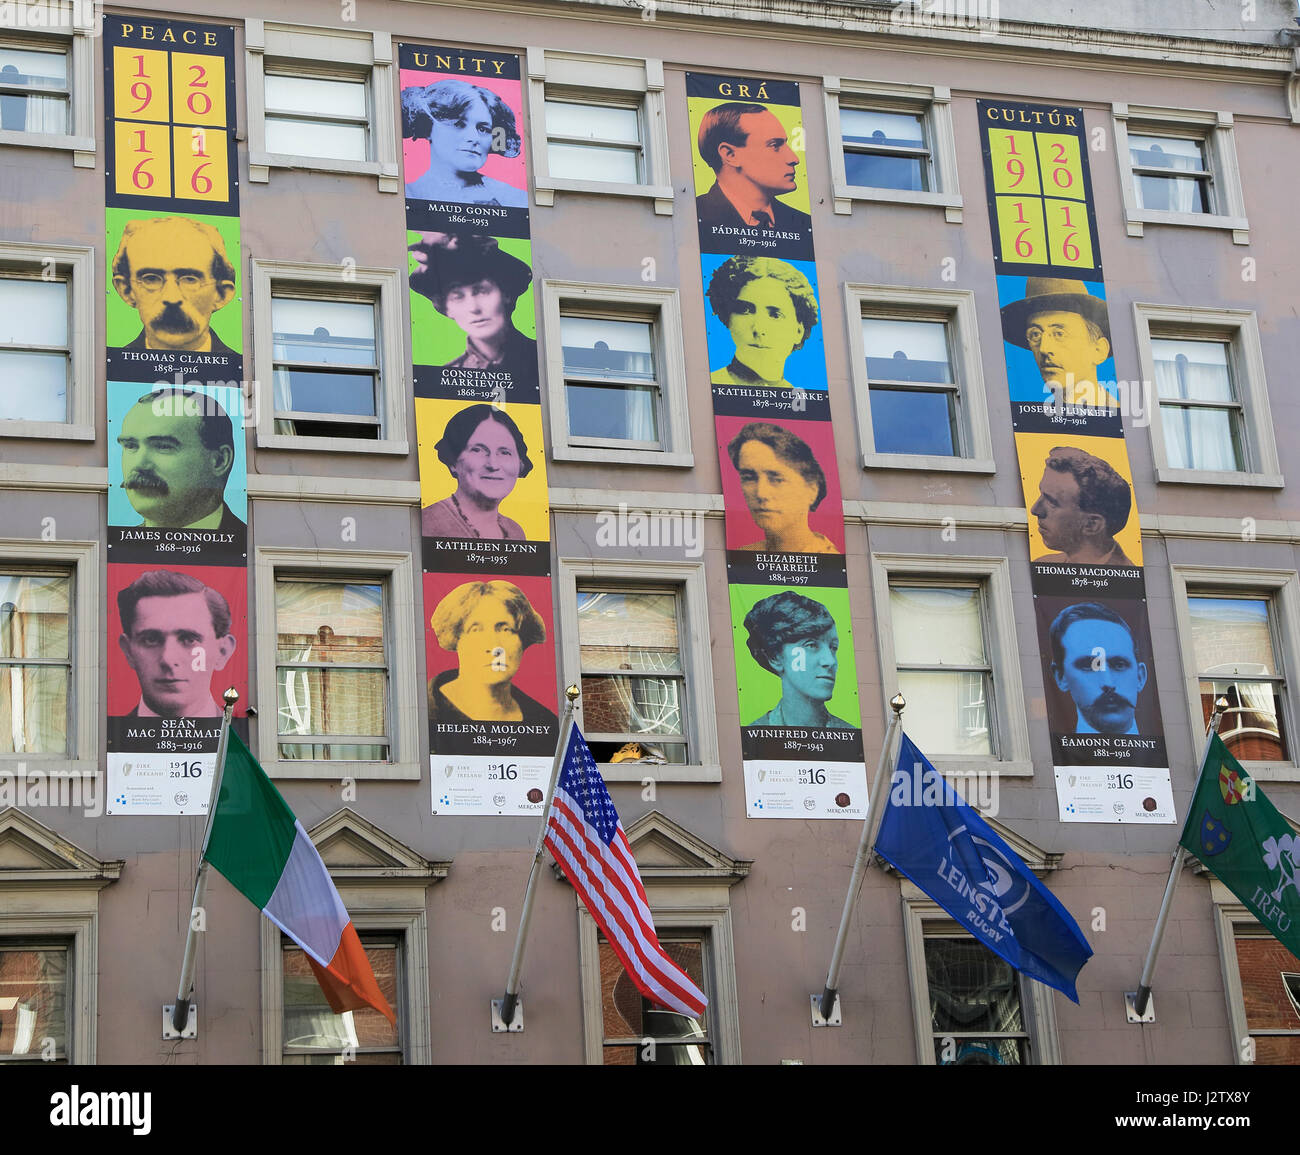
(515, 1026)
(817, 1018)
(1131, 1012)
(191, 1030)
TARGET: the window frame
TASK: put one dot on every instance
(620, 81)
(1239, 330)
(956, 309)
(78, 43)
(75, 265)
(935, 102)
(405, 701)
(1214, 130)
(322, 54)
(1282, 589)
(1037, 1008)
(687, 579)
(378, 286)
(1012, 756)
(662, 307)
(81, 561)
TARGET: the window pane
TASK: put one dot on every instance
(971, 988)
(906, 350)
(1173, 194)
(33, 313)
(1201, 438)
(591, 162)
(948, 713)
(34, 616)
(625, 631)
(614, 412)
(869, 170)
(1192, 370)
(620, 705)
(937, 626)
(35, 72)
(301, 391)
(308, 138)
(312, 96)
(33, 68)
(870, 127)
(33, 1001)
(1231, 636)
(33, 709)
(904, 421)
(36, 386)
(339, 622)
(1167, 152)
(593, 121)
(600, 347)
(1251, 727)
(347, 702)
(324, 332)
(627, 1014)
(308, 1020)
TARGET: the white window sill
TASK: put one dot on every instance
(611, 456)
(332, 444)
(1219, 477)
(47, 430)
(928, 463)
(1240, 226)
(846, 194)
(82, 147)
(334, 771)
(959, 767)
(1270, 771)
(665, 772)
(260, 164)
(545, 188)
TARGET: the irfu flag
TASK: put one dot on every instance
(1236, 832)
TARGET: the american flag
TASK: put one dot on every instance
(587, 839)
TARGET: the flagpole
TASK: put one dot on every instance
(510, 1000)
(870, 828)
(1143, 996)
(185, 988)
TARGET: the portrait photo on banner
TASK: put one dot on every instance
(482, 471)
(780, 485)
(174, 288)
(1079, 494)
(490, 649)
(176, 457)
(472, 304)
(462, 139)
(794, 657)
(1056, 336)
(178, 637)
(1097, 670)
(750, 179)
(762, 323)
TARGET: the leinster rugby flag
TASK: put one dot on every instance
(950, 852)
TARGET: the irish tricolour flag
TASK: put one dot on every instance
(263, 850)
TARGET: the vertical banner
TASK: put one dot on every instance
(1085, 546)
(177, 500)
(801, 734)
(485, 516)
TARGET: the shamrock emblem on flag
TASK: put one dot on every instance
(1279, 854)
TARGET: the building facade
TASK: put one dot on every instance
(346, 332)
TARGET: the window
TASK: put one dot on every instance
(691, 906)
(1211, 421)
(331, 669)
(918, 385)
(334, 354)
(1236, 659)
(619, 352)
(970, 1007)
(637, 1032)
(35, 997)
(947, 642)
(636, 639)
(1179, 167)
(47, 86)
(320, 99)
(1269, 975)
(891, 142)
(598, 126)
(46, 337)
(35, 662)
(340, 682)
(313, 1035)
